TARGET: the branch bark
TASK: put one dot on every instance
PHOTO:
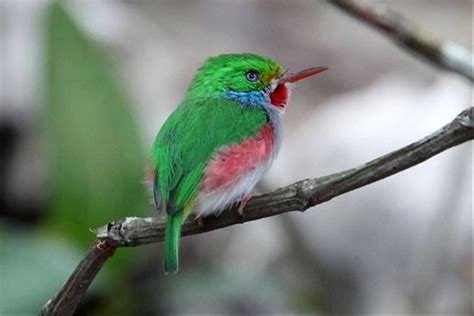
(299, 196)
(447, 55)
(68, 298)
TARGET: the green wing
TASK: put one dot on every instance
(187, 141)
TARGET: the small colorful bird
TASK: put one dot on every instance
(219, 142)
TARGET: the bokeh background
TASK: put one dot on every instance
(86, 85)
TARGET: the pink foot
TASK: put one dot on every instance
(200, 222)
(242, 204)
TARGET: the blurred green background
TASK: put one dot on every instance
(95, 160)
(85, 86)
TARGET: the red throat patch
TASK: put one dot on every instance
(279, 97)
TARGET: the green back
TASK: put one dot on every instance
(189, 138)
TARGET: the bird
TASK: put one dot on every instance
(219, 142)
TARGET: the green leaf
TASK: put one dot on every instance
(96, 156)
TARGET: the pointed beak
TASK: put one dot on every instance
(297, 76)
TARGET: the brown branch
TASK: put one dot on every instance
(66, 301)
(134, 231)
(447, 55)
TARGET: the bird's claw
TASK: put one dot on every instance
(200, 222)
(243, 203)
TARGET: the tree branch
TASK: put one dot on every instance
(66, 301)
(299, 196)
(447, 55)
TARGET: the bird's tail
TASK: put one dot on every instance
(172, 236)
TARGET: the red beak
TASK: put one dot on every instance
(296, 76)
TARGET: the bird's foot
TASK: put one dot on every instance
(243, 203)
(200, 222)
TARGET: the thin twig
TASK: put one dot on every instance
(447, 55)
(66, 301)
(134, 231)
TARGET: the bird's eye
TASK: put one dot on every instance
(252, 75)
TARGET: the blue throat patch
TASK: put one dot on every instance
(251, 98)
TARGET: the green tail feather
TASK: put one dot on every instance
(172, 236)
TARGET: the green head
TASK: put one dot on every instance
(245, 78)
(234, 72)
